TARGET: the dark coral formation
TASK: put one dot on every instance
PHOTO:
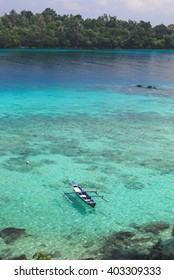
(118, 246)
(154, 228)
(20, 257)
(136, 245)
(11, 234)
(135, 185)
(122, 235)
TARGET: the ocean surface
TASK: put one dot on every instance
(78, 115)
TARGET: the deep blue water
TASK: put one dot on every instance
(78, 115)
(72, 68)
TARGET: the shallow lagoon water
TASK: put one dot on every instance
(79, 116)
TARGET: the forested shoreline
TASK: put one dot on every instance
(51, 30)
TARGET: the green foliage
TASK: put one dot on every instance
(41, 256)
(36, 256)
(50, 30)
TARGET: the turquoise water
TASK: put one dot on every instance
(78, 115)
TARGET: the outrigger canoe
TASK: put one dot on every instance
(83, 195)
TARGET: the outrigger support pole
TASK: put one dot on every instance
(101, 196)
(64, 194)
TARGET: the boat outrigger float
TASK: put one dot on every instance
(83, 195)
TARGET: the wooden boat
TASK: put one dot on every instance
(83, 195)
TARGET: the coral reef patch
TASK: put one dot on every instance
(12, 234)
(139, 244)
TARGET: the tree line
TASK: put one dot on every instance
(51, 30)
